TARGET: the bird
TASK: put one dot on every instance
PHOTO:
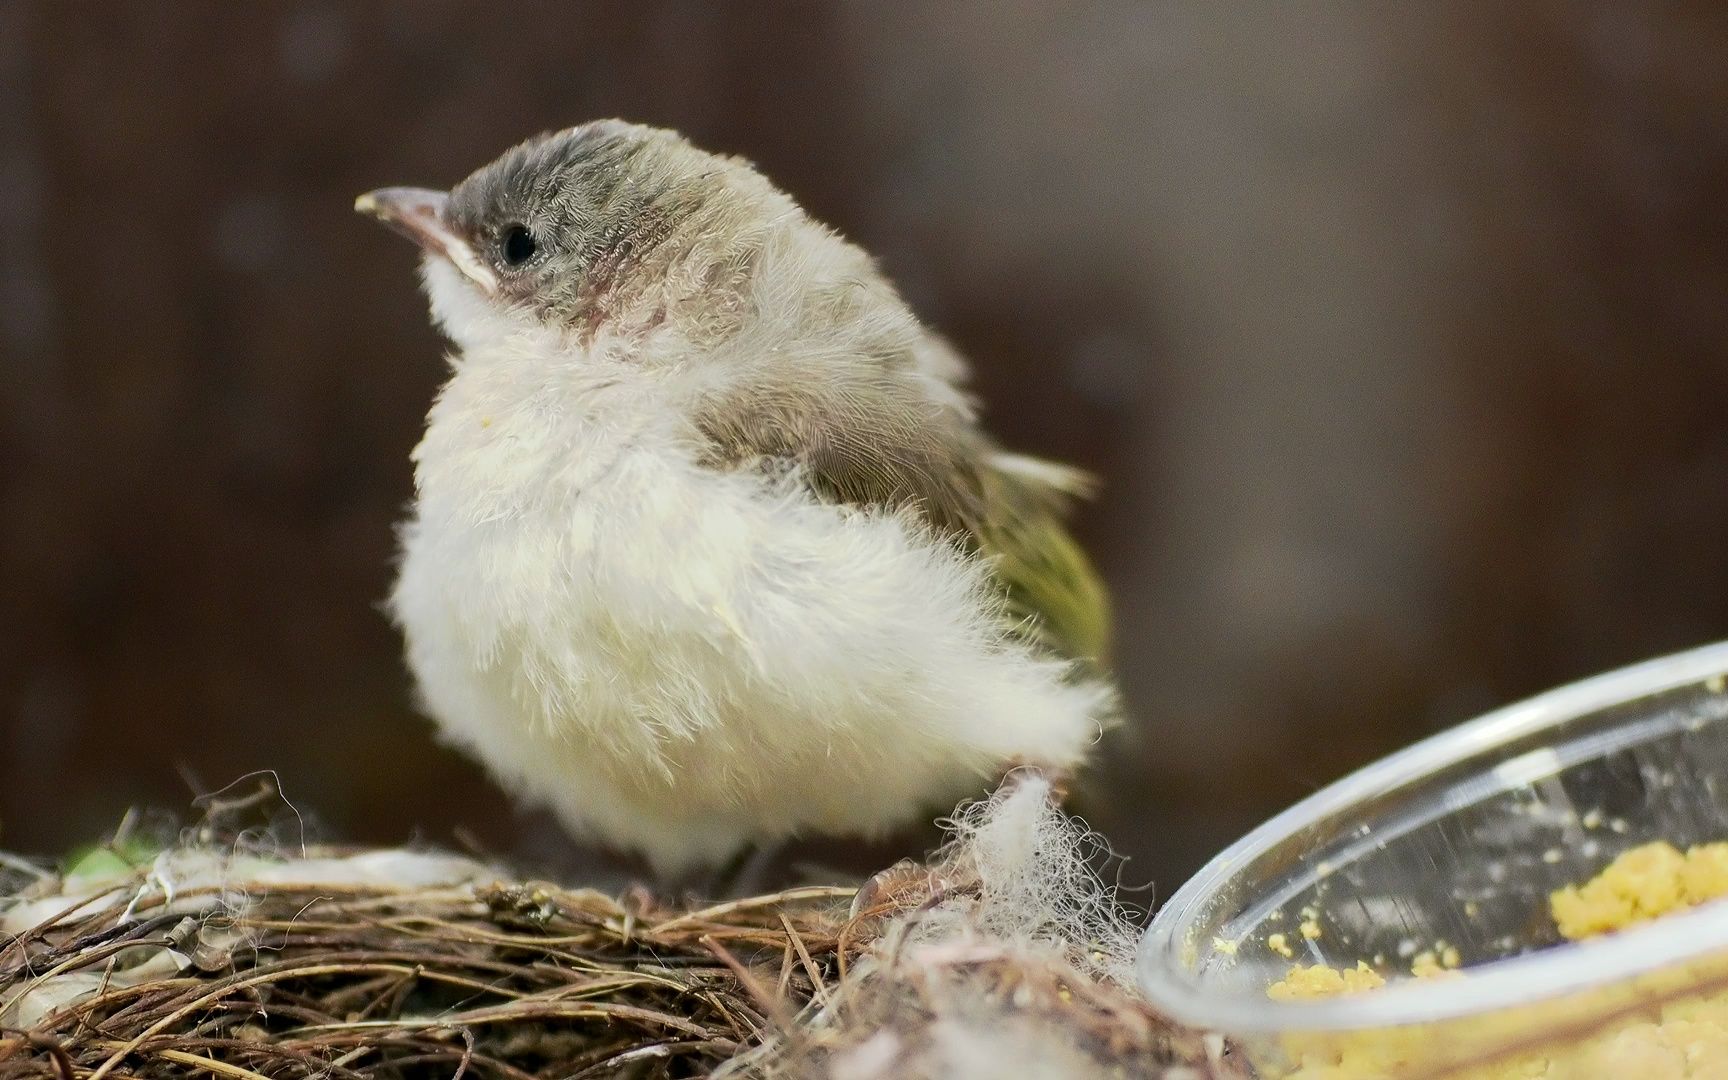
(708, 549)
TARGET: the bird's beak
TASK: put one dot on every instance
(419, 214)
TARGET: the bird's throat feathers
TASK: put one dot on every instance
(470, 320)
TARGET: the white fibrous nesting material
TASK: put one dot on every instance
(1036, 885)
(979, 982)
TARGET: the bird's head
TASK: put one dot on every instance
(608, 226)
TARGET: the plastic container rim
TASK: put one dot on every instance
(1490, 987)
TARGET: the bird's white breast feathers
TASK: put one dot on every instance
(678, 660)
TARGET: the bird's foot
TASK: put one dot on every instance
(885, 885)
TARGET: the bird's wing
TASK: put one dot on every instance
(1047, 576)
(893, 448)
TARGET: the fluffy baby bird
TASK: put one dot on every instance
(707, 547)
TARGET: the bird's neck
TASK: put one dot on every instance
(522, 424)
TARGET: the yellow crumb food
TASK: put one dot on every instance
(1440, 962)
(1305, 983)
(1685, 1039)
(1645, 883)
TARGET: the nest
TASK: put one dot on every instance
(1003, 955)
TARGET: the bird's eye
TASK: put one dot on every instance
(518, 245)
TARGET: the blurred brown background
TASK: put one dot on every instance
(1397, 332)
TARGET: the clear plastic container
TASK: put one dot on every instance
(1452, 847)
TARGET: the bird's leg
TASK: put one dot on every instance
(745, 874)
(885, 883)
(756, 873)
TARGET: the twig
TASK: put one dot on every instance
(818, 986)
(199, 1061)
(790, 896)
(773, 1006)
